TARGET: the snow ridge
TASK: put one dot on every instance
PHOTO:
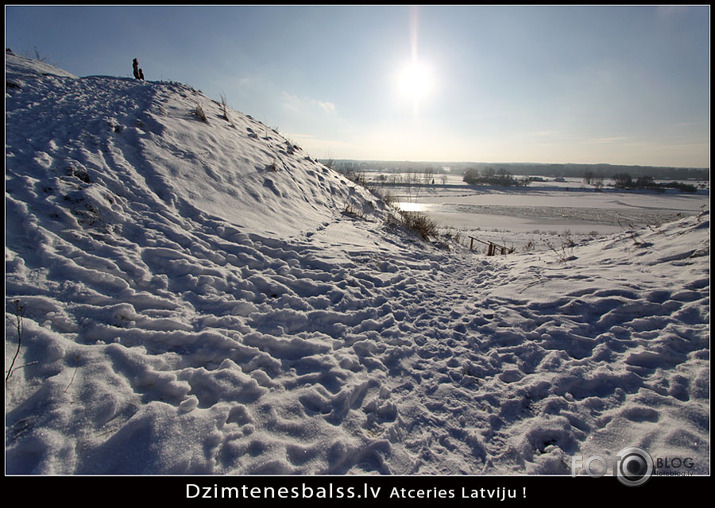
(195, 300)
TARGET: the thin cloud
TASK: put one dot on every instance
(608, 140)
(296, 104)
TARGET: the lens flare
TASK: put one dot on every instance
(415, 80)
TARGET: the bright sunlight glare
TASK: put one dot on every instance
(415, 80)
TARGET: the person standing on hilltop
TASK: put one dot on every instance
(138, 73)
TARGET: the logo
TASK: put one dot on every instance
(633, 466)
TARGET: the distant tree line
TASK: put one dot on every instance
(607, 171)
(491, 176)
(626, 181)
(595, 179)
(567, 170)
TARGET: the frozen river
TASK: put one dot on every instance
(553, 208)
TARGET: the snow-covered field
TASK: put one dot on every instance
(204, 298)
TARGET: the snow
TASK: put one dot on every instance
(205, 298)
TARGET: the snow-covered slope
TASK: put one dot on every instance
(192, 298)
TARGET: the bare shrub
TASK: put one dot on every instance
(565, 252)
(199, 113)
(224, 106)
(419, 224)
(388, 198)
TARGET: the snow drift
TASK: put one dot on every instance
(190, 297)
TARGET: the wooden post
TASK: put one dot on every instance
(492, 248)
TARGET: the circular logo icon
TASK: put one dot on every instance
(635, 466)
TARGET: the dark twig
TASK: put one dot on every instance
(19, 315)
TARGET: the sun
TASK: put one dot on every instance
(415, 80)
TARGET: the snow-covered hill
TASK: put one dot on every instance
(204, 298)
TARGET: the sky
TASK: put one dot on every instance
(550, 84)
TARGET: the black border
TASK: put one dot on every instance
(336, 490)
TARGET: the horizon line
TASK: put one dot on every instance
(411, 161)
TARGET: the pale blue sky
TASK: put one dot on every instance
(588, 84)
